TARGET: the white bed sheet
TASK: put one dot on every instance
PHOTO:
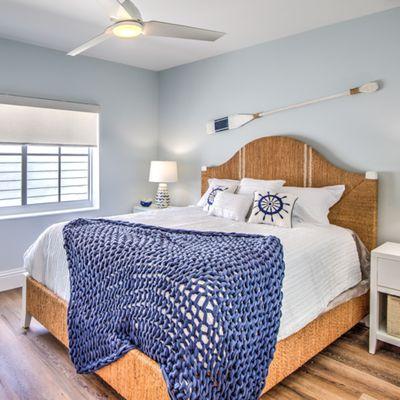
(321, 261)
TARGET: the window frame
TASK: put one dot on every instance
(58, 207)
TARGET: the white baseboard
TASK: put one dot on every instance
(11, 279)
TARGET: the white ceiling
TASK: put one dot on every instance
(65, 24)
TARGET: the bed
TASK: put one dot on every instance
(318, 323)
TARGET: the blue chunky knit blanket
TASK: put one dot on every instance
(206, 306)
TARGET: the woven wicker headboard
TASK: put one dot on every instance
(281, 157)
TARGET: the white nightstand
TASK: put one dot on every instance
(385, 279)
(139, 208)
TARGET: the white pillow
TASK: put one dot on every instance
(313, 204)
(231, 206)
(273, 209)
(250, 186)
(229, 184)
(223, 182)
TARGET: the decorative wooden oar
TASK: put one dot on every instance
(237, 120)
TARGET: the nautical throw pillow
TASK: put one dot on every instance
(230, 185)
(212, 193)
(273, 209)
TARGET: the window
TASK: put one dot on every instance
(10, 175)
(35, 174)
(48, 156)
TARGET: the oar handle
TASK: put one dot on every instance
(369, 87)
(303, 103)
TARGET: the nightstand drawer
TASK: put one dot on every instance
(389, 273)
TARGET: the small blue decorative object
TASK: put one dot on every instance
(146, 202)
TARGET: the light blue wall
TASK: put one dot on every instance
(128, 127)
(359, 133)
(140, 107)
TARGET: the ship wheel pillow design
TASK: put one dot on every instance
(273, 209)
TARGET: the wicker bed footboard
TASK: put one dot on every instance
(137, 377)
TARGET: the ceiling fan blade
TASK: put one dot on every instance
(130, 8)
(91, 43)
(156, 28)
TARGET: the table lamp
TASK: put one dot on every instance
(163, 172)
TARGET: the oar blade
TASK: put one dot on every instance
(229, 122)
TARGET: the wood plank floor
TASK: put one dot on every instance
(36, 366)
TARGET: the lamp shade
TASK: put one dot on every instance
(163, 171)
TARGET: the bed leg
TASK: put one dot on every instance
(25, 316)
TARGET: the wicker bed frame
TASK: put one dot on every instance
(137, 377)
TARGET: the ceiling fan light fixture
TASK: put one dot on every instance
(132, 26)
(127, 29)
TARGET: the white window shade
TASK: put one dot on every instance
(26, 120)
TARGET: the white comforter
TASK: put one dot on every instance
(321, 261)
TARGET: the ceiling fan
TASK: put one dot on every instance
(129, 28)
